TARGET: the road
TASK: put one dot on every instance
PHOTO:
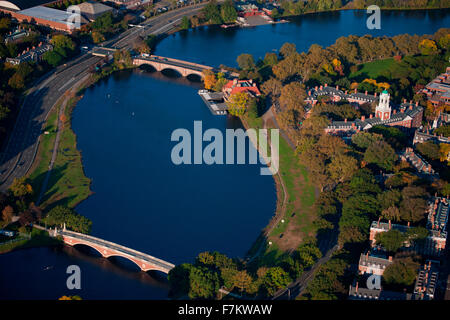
(20, 150)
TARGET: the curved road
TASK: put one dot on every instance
(19, 152)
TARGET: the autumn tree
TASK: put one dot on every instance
(209, 79)
(238, 102)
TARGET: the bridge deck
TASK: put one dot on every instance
(111, 245)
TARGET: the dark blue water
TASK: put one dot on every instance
(141, 199)
(214, 45)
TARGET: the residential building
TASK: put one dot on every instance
(407, 115)
(420, 164)
(438, 90)
(373, 263)
(425, 286)
(356, 293)
(31, 55)
(235, 86)
(17, 34)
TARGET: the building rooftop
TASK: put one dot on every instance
(49, 14)
(425, 285)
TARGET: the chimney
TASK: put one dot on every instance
(371, 116)
(404, 100)
(402, 110)
(345, 120)
(309, 92)
(409, 223)
(390, 225)
(337, 87)
(390, 258)
(395, 111)
(376, 94)
(346, 91)
(365, 93)
(316, 88)
(321, 87)
(410, 107)
(363, 118)
(356, 90)
(417, 103)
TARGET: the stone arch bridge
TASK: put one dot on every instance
(185, 68)
(109, 249)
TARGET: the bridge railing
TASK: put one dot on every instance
(126, 250)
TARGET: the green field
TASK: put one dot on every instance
(38, 238)
(44, 154)
(67, 184)
(372, 69)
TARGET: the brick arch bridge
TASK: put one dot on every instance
(109, 249)
(185, 68)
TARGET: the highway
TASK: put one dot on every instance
(19, 151)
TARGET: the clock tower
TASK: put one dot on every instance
(383, 109)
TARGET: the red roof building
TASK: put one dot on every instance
(235, 86)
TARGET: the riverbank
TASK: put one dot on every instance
(292, 223)
(58, 176)
(36, 238)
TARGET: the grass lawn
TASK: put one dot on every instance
(38, 238)
(67, 184)
(372, 69)
(301, 196)
(44, 155)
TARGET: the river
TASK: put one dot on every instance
(141, 199)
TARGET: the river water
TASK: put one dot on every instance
(144, 201)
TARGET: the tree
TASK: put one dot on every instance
(275, 279)
(364, 139)
(287, 49)
(20, 188)
(342, 167)
(238, 103)
(209, 79)
(391, 240)
(270, 59)
(7, 213)
(381, 154)
(212, 13)
(429, 149)
(292, 97)
(53, 58)
(402, 272)
(428, 47)
(242, 280)
(16, 81)
(185, 23)
(246, 61)
(228, 12)
(60, 215)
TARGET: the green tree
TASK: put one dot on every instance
(381, 154)
(20, 188)
(246, 61)
(275, 279)
(391, 240)
(402, 272)
(228, 12)
(185, 23)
